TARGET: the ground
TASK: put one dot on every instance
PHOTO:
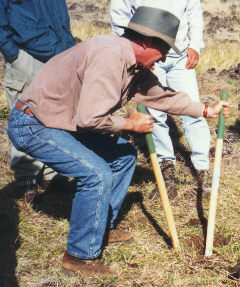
(33, 238)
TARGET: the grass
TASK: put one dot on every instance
(218, 56)
(218, 7)
(33, 239)
(84, 30)
(4, 112)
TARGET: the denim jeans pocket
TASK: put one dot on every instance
(18, 129)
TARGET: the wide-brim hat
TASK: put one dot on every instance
(155, 22)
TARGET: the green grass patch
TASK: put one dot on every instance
(234, 83)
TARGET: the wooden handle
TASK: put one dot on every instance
(215, 181)
(161, 185)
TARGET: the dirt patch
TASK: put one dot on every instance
(193, 222)
(232, 137)
(221, 240)
(217, 24)
(234, 272)
(197, 243)
(233, 72)
(88, 10)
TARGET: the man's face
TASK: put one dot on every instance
(153, 51)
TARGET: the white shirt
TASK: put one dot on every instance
(189, 12)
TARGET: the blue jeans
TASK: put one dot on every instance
(102, 165)
(172, 73)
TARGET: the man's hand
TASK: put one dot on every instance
(215, 109)
(193, 58)
(139, 123)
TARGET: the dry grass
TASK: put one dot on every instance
(218, 7)
(84, 30)
(220, 56)
(33, 238)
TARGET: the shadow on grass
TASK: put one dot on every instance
(9, 236)
(56, 201)
(155, 225)
(175, 134)
(142, 175)
(200, 212)
(235, 128)
(137, 198)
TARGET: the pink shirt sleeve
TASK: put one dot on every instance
(153, 95)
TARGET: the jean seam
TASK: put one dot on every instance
(20, 136)
(100, 192)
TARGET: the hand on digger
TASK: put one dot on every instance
(139, 123)
(215, 109)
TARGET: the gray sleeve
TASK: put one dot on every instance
(121, 13)
(195, 25)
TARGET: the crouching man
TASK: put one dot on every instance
(65, 119)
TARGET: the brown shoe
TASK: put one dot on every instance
(88, 268)
(204, 181)
(119, 236)
(168, 172)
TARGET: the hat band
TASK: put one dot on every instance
(151, 33)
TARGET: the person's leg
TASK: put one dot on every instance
(81, 157)
(195, 129)
(18, 76)
(122, 163)
(162, 141)
(161, 138)
(121, 158)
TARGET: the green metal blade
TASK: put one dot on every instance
(148, 136)
(221, 121)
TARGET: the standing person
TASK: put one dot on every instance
(178, 73)
(78, 135)
(31, 32)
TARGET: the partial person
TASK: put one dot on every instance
(178, 73)
(78, 135)
(31, 32)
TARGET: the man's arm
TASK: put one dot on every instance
(141, 123)
(7, 46)
(153, 95)
(195, 32)
(121, 13)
